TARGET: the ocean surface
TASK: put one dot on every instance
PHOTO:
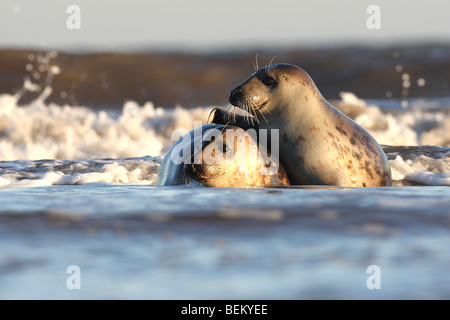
(77, 188)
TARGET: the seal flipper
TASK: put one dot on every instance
(225, 117)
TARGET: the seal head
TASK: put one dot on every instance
(218, 155)
(233, 158)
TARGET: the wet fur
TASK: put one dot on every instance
(319, 145)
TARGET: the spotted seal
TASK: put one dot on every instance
(220, 156)
(318, 144)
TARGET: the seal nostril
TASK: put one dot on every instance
(235, 96)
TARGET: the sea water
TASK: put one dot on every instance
(77, 188)
(148, 242)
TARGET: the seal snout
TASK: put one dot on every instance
(236, 96)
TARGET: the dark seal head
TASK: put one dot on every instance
(232, 158)
(220, 156)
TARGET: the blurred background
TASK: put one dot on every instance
(192, 53)
(86, 116)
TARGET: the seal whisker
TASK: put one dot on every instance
(249, 108)
(253, 112)
(231, 115)
(228, 106)
(233, 112)
(263, 116)
(224, 127)
(246, 112)
(256, 115)
(228, 117)
(250, 111)
(270, 63)
(255, 64)
(250, 119)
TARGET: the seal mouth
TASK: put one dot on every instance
(202, 173)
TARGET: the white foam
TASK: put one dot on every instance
(432, 179)
(414, 127)
(140, 171)
(41, 131)
(422, 169)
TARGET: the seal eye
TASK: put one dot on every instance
(269, 81)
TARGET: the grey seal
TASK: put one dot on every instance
(221, 156)
(318, 144)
